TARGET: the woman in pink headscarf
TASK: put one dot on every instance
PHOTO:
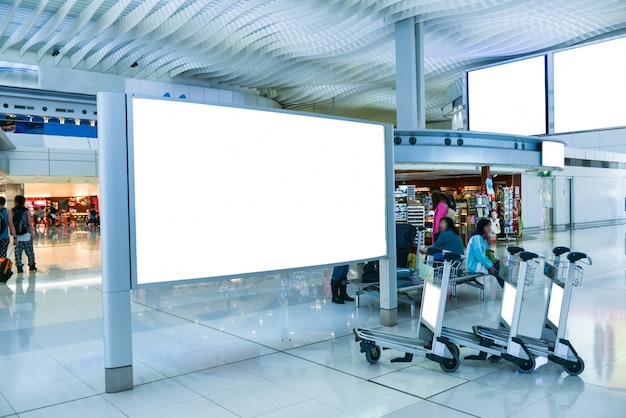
(440, 206)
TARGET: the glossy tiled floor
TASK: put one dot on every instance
(277, 347)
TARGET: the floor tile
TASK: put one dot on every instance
(427, 409)
(151, 397)
(200, 408)
(420, 382)
(5, 408)
(218, 379)
(483, 401)
(307, 409)
(552, 409)
(275, 364)
(256, 398)
(45, 394)
(239, 351)
(28, 376)
(368, 400)
(542, 382)
(94, 407)
(177, 364)
(314, 381)
(591, 399)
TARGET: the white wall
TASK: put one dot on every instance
(52, 162)
(531, 201)
(597, 196)
(562, 192)
(78, 81)
(606, 140)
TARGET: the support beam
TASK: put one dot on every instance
(410, 86)
(113, 170)
(387, 267)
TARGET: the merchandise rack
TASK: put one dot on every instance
(416, 216)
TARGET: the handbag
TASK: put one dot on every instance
(6, 267)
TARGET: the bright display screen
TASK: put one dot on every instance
(552, 154)
(556, 300)
(222, 191)
(590, 87)
(508, 98)
(430, 304)
(508, 303)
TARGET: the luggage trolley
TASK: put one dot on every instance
(564, 277)
(433, 346)
(556, 261)
(507, 345)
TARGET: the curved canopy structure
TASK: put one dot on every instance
(315, 55)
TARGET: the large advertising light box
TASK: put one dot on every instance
(222, 191)
(508, 98)
(590, 86)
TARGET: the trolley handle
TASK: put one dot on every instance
(575, 257)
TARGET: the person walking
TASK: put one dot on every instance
(339, 276)
(6, 228)
(24, 235)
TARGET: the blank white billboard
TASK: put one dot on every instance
(508, 98)
(223, 191)
(552, 154)
(590, 87)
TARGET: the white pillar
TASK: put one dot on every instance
(115, 242)
(387, 268)
(410, 86)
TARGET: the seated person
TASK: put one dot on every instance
(448, 239)
(477, 258)
(338, 285)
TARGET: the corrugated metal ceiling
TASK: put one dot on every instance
(302, 53)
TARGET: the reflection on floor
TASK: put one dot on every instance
(277, 347)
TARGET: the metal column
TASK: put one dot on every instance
(113, 173)
(387, 268)
(410, 88)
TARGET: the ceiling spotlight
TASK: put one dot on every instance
(459, 142)
(412, 140)
(134, 64)
(55, 52)
(523, 146)
(516, 145)
(447, 141)
(397, 140)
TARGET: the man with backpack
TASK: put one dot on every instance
(6, 227)
(24, 235)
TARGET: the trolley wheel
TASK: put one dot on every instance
(526, 366)
(372, 355)
(450, 364)
(494, 358)
(576, 369)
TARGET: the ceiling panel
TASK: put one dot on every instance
(332, 56)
